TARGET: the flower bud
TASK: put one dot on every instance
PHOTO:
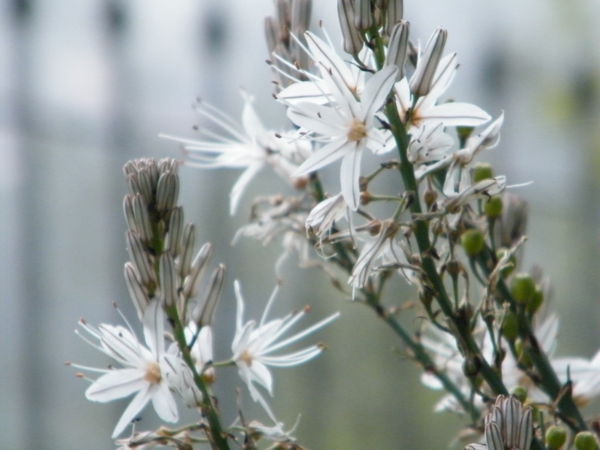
(482, 171)
(352, 39)
(194, 278)
(169, 284)
(395, 10)
(493, 207)
(510, 326)
(204, 312)
(522, 288)
(167, 191)
(300, 15)
(175, 231)
(555, 437)
(398, 47)
(187, 249)
(362, 15)
(585, 440)
(136, 290)
(142, 218)
(472, 241)
(422, 79)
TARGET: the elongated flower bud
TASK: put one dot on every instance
(175, 231)
(395, 11)
(139, 258)
(363, 20)
(169, 284)
(167, 191)
(142, 218)
(128, 210)
(204, 312)
(420, 82)
(301, 13)
(136, 290)
(398, 47)
(197, 270)
(271, 33)
(352, 40)
(187, 249)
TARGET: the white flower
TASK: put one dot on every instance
(248, 147)
(325, 214)
(254, 344)
(429, 143)
(382, 247)
(584, 373)
(349, 127)
(425, 110)
(143, 368)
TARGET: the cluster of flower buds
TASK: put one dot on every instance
(284, 34)
(157, 237)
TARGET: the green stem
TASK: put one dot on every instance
(216, 436)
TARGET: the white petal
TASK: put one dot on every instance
(349, 175)
(376, 90)
(116, 384)
(327, 60)
(306, 91)
(164, 403)
(319, 119)
(456, 114)
(136, 405)
(154, 329)
(251, 122)
(261, 375)
(325, 155)
(240, 186)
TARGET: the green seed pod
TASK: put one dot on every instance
(585, 440)
(520, 392)
(510, 327)
(523, 288)
(493, 207)
(536, 301)
(482, 171)
(472, 241)
(555, 437)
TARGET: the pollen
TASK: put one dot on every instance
(153, 375)
(247, 358)
(357, 130)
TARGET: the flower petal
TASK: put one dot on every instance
(376, 90)
(136, 405)
(116, 384)
(349, 175)
(164, 402)
(456, 114)
(327, 154)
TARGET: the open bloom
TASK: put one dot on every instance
(348, 126)
(143, 368)
(254, 344)
(248, 147)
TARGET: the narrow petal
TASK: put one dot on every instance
(327, 59)
(154, 330)
(164, 403)
(116, 384)
(376, 90)
(349, 175)
(456, 114)
(318, 118)
(250, 120)
(306, 91)
(136, 405)
(325, 156)
(240, 186)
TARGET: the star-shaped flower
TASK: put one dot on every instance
(254, 344)
(349, 126)
(143, 368)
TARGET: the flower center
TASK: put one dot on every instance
(247, 358)
(152, 374)
(357, 130)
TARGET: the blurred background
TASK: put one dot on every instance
(87, 85)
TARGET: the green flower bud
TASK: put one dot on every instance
(472, 241)
(510, 327)
(585, 440)
(493, 207)
(536, 301)
(523, 287)
(520, 392)
(482, 171)
(522, 355)
(555, 437)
